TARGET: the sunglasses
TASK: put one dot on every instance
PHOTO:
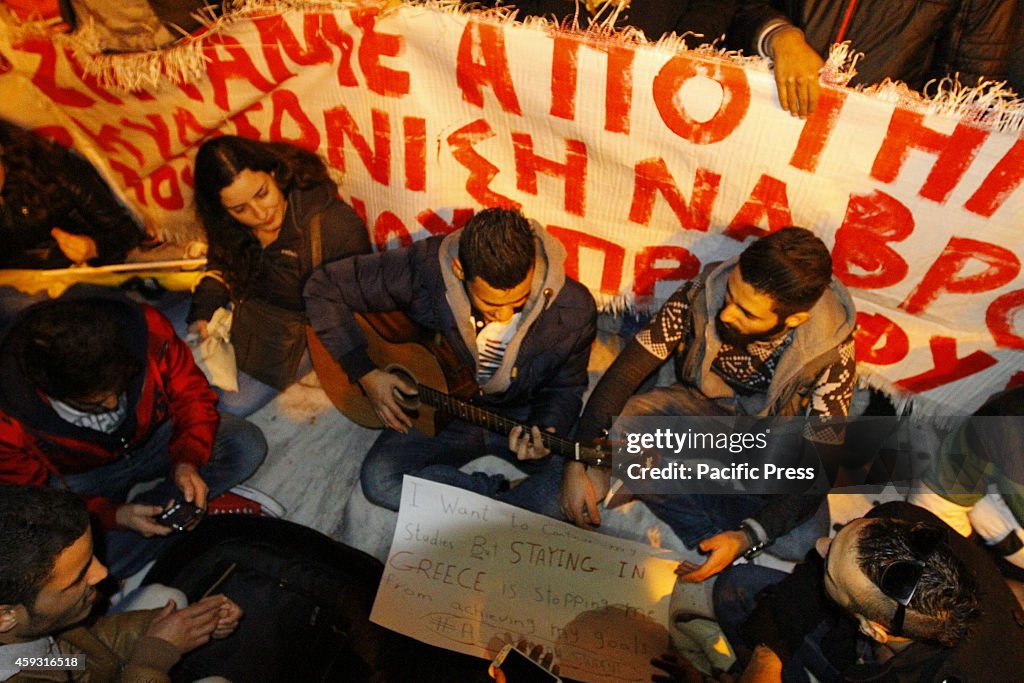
(901, 579)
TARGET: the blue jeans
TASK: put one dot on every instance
(439, 458)
(696, 516)
(253, 394)
(238, 449)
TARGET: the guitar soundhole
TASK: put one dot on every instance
(409, 402)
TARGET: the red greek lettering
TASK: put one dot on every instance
(944, 274)
(861, 256)
(488, 41)
(954, 152)
(374, 45)
(652, 177)
(573, 172)
(481, 171)
(767, 200)
(735, 98)
(341, 126)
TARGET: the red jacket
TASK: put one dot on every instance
(35, 442)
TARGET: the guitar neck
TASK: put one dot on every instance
(481, 417)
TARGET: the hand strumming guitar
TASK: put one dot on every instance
(380, 388)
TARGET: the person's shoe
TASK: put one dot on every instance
(245, 500)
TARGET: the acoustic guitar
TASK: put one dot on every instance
(444, 385)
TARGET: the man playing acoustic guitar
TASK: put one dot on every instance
(496, 291)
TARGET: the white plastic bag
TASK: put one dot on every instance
(215, 355)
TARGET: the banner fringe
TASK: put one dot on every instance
(990, 105)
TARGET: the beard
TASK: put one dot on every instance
(737, 340)
(40, 624)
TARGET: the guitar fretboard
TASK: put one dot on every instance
(503, 425)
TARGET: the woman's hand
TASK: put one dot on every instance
(200, 327)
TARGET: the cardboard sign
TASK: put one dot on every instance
(470, 574)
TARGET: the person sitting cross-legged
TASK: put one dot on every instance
(100, 396)
(768, 333)
(497, 292)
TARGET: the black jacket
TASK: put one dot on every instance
(791, 613)
(82, 204)
(913, 41)
(285, 264)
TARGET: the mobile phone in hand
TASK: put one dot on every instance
(182, 516)
(519, 668)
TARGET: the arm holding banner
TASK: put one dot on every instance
(95, 215)
(759, 28)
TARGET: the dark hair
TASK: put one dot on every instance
(36, 524)
(31, 177)
(497, 245)
(218, 163)
(73, 349)
(946, 599)
(792, 266)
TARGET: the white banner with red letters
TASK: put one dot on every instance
(646, 161)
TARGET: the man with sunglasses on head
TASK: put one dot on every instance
(896, 596)
(99, 395)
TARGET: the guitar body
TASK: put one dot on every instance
(424, 359)
(395, 344)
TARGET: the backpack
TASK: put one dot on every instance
(307, 601)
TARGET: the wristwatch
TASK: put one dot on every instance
(755, 536)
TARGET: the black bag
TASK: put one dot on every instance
(269, 341)
(307, 602)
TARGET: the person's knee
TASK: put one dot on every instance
(244, 444)
(152, 596)
(379, 490)
(735, 592)
(380, 481)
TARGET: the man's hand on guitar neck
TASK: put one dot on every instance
(380, 388)
(528, 446)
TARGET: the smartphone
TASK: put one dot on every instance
(182, 516)
(519, 668)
